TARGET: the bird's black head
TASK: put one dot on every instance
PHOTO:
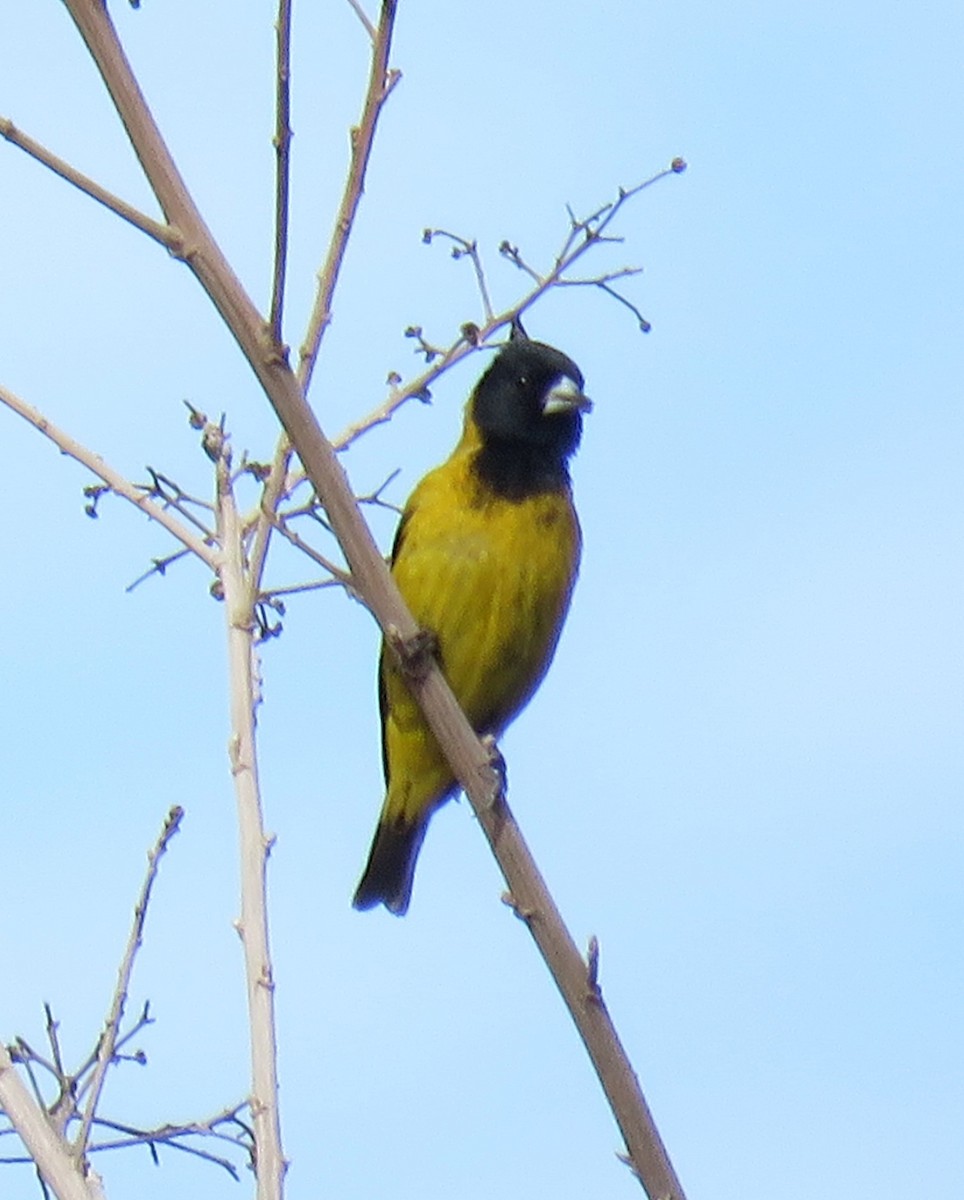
(528, 408)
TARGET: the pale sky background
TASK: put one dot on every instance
(745, 770)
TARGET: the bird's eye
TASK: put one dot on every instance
(523, 380)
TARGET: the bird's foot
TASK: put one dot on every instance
(416, 653)
(500, 784)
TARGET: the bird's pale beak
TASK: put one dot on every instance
(566, 397)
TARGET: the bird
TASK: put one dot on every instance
(485, 556)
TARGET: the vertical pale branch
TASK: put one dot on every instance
(61, 1173)
(254, 844)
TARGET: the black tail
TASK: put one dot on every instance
(390, 870)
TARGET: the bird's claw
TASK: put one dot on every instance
(497, 763)
(416, 653)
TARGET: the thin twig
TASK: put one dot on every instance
(338, 574)
(363, 17)
(154, 229)
(282, 145)
(23, 1054)
(53, 1037)
(580, 237)
(85, 1073)
(464, 248)
(169, 1135)
(114, 480)
(380, 83)
(158, 567)
(271, 496)
(171, 496)
(294, 589)
(108, 1039)
(644, 325)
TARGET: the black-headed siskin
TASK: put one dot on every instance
(486, 556)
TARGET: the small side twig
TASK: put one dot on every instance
(605, 286)
(338, 574)
(108, 1039)
(158, 567)
(172, 1135)
(582, 234)
(463, 248)
(84, 1073)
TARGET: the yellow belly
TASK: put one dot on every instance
(491, 578)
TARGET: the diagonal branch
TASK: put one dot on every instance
(113, 479)
(581, 237)
(160, 233)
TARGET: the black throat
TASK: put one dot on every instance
(516, 470)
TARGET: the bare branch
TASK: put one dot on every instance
(464, 248)
(172, 1135)
(154, 229)
(255, 845)
(53, 1037)
(108, 1039)
(532, 902)
(380, 83)
(271, 496)
(85, 1074)
(294, 589)
(172, 496)
(338, 574)
(644, 325)
(282, 145)
(468, 757)
(582, 235)
(113, 479)
(362, 16)
(43, 1144)
(158, 567)
(603, 283)
(22, 1053)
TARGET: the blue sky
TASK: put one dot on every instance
(744, 771)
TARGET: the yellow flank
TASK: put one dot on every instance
(491, 578)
